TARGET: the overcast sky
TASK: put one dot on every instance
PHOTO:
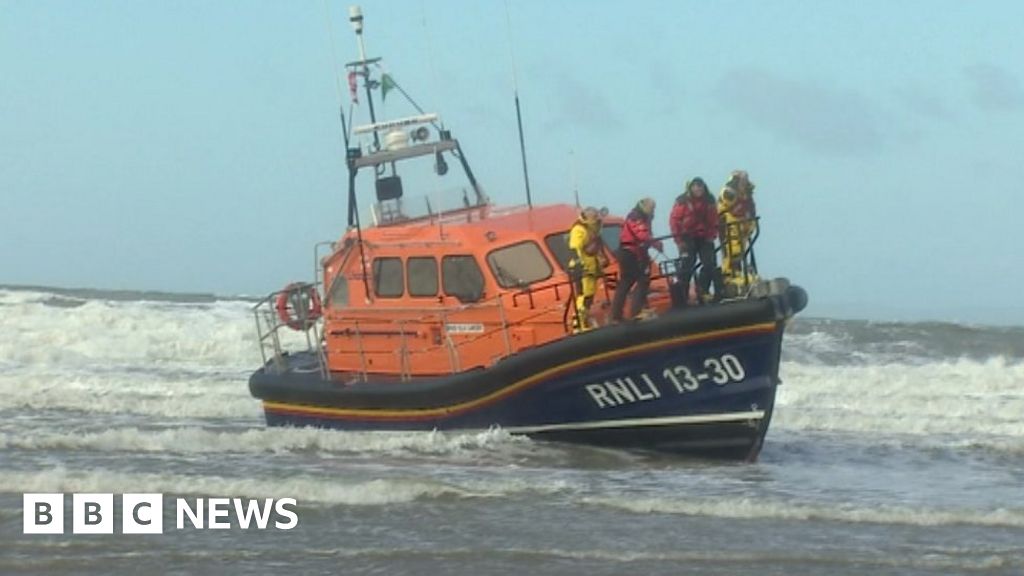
(195, 145)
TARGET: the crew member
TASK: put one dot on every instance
(694, 225)
(585, 265)
(737, 215)
(635, 240)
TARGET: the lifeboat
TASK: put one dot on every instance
(446, 312)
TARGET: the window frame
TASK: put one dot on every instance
(339, 288)
(377, 276)
(408, 277)
(540, 252)
(561, 239)
(483, 277)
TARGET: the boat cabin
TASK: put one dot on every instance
(448, 293)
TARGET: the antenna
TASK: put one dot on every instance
(337, 72)
(355, 18)
(519, 114)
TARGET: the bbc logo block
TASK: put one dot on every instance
(142, 514)
(93, 514)
(96, 513)
(43, 514)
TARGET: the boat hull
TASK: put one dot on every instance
(698, 382)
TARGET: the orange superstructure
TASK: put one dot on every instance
(448, 293)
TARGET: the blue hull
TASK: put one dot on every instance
(699, 382)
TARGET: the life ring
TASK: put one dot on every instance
(298, 305)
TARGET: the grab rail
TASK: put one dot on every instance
(268, 328)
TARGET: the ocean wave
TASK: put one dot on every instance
(965, 398)
(206, 397)
(928, 558)
(195, 440)
(130, 333)
(859, 342)
(15, 294)
(745, 508)
(305, 489)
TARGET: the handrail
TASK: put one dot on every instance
(529, 291)
(318, 278)
(268, 327)
(749, 261)
(442, 316)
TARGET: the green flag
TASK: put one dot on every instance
(386, 83)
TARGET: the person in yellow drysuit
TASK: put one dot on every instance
(586, 263)
(736, 216)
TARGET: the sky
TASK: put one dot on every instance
(196, 146)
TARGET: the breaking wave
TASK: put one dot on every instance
(306, 489)
(745, 508)
(195, 440)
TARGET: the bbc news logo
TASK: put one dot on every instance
(144, 513)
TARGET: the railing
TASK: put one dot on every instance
(733, 231)
(445, 206)
(268, 330)
(407, 323)
(318, 267)
(269, 323)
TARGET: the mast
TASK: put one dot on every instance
(394, 140)
(355, 17)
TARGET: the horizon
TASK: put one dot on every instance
(196, 148)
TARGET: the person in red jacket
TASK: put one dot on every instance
(694, 225)
(634, 261)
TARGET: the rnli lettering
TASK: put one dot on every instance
(623, 391)
(679, 378)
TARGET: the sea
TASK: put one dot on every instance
(896, 448)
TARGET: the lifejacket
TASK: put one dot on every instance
(735, 208)
(585, 242)
(635, 235)
(692, 217)
(736, 211)
(739, 204)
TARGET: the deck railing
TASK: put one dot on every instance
(268, 331)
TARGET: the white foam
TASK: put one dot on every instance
(119, 393)
(218, 335)
(963, 398)
(323, 489)
(745, 508)
(194, 440)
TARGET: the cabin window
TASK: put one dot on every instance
(422, 273)
(519, 265)
(337, 297)
(462, 278)
(558, 244)
(388, 281)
